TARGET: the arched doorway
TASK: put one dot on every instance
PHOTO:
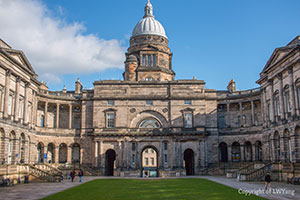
(63, 153)
(110, 157)
(248, 151)
(40, 149)
(277, 146)
(51, 153)
(223, 152)
(189, 162)
(149, 162)
(235, 152)
(75, 153)
(258, 151)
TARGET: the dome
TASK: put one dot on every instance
(149, 25)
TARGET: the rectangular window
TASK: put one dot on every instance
(277, 103)
(10, 98)
(144, 60)
(28, 113)
(146, 161)
(149, 103)
(110, 102)
(110, 120)
(42, 121)
(187, 102)
(20, 108)
(133, 147)
(165, 146)
(152, 161)
(154, 61)
(149, 63)
(287, 102)
(188, 120)
(133, 159)
(166, 158)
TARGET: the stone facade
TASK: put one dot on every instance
(189, 127)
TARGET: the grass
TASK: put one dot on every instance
(139, 189)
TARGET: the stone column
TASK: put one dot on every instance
(96, 146)
(282, 150)
(252, 112)
(6, 95)
(254, 152)
(81, 155)
(70, 116)
(56, 156)
(273, 116)
(229, 153)
(25, 120)
(241, 113)
(281, 99)
(228, 115)
(46, 114)
(57, 115)
(292, 91)
(242, 149)
(69, 154)
(181, 155)
(17, 94)
(100, 153)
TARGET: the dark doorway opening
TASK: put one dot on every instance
(189, 162)
(110, 157)
(223, 152)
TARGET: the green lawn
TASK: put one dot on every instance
(138, 189)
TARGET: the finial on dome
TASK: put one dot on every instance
(148, 10)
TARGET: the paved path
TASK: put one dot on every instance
(40, 190)
(287, 190)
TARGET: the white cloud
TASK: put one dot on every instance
(53, 46)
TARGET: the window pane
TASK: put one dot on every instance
(111, 102)
(110, 120)
(149, 60)
(188, 102)
(154, 63)
(144, 60)
(9, 105)
(188, 120)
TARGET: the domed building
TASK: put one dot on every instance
(150, 124)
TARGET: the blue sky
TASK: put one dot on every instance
(213, 40)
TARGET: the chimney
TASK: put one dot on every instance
(231, 86)
(43, 86)
(78, 87)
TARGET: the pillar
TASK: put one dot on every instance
(17, 94)
(96, 151)
(81, 155)
(69, 154)
(46, 114)
(273, 116)
(281, 98)
(242, 149)
(25, 115)
(254, 152)
(252, 112)
(228, 115)
(57, 115)
(6, 95)
(70, 116)
(292, 91)
(241, 113)
(229, 149)
(56, 156)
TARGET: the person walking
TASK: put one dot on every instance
(80, 174)
(72, 175)
(268, 181)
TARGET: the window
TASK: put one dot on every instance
(110, 120)
(277, 105)
(20, 108)
(149, 103)
(146, 151)
(287, 101)
(10, 99)
(133, 159)
(152, 161)
(244, 120)
(298, 97)
(146, 161)
(28, 113)
(149, 60)
(165, 146)
(133, 146)
(149, 123)
(188, 120)
(152, 151)
(110, 102)
(42, 121)
(166, 158)
(187, 102)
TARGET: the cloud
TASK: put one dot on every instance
(53, 46)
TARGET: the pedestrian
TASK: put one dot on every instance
(268, 181)
(73, 175)
(80, 174)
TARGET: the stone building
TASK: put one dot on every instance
(191, 129)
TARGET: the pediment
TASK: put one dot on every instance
(4, 45)
(276, 56)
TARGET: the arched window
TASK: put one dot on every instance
(150, 123)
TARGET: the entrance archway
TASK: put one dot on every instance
(110, 157)
(63, 151)
(149, 162)
(75, 153)
(235, 152)
(51, 153)
(258, 151)
(223, 152)
(189, 162)
(40, 149)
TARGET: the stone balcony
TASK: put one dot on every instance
(58, 131)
